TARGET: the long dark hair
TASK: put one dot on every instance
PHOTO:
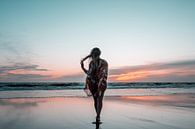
(95, 52)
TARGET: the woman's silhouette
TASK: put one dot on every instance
(96, 80)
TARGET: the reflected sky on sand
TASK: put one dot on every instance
(18, 104)
(78, 113)
(46, 113)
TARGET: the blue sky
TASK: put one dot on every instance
(55, 34)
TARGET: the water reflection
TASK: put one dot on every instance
(98, 125)
(17, 103)
(47, 113)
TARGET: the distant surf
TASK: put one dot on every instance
(7, 86)
(74, 89)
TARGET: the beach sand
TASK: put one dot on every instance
(175, 111)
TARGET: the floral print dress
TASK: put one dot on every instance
(97, 76)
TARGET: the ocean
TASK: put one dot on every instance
(75, 89)
(7, 86)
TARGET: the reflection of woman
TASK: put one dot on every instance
(96, 80)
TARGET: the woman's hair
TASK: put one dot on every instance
(95, 52)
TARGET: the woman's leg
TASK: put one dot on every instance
(95, 102)
(99, 104)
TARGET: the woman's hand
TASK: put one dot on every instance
(86, 58)
(98, 93)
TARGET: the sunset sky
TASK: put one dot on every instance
(142, 40)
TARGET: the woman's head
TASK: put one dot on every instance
(95, 53)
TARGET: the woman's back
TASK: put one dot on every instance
(98, 69)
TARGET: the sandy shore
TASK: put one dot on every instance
(139, 112)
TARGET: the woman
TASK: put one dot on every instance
(96, 80)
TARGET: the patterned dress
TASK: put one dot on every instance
(97, 76)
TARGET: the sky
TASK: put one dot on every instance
(142, 40)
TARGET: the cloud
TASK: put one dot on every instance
(20, 66)
(23, 77)
(155, 66)
(15, 60)
(180, 71)
(22, 72)
(71, 78)
(170, 71)
(15, 49)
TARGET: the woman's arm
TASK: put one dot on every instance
(82, 64)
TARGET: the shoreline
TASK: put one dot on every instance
(80, 93)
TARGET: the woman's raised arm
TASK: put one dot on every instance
(82, 64)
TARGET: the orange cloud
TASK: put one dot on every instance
(137, 75)
(167, 72)
(174, 71)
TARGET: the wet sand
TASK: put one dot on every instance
(175, 111)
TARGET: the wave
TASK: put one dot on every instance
(79, 85)
(81, 93)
